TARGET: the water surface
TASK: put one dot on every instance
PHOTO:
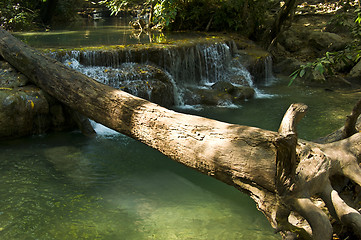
(65, 186)
(108, 31)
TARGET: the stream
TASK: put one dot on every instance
(68, 186)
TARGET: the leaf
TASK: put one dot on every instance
(302, 72)
(295, 73)
(31, 104)
(344, 61)
(320, 68)
(329, 70)
(292, 79)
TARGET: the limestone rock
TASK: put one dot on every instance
(9, 77)
(356, 71)
(287, 66)
(25, 109)
(326, 41)
(22, 112)
(142, 80)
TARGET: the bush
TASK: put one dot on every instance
(16, 15)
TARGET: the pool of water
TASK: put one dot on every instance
(327, 109)
(67, 186)
(108, 31)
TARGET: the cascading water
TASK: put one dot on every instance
(269, 77)
(191, 70)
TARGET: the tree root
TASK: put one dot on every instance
(316, 164)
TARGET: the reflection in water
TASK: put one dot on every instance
(112, 31)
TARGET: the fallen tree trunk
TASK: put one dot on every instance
(281, 173)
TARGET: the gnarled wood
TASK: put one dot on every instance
(286, 145)
(253, 160)
(350, 125)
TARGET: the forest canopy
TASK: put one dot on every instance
(217, 15)
(252, 18)
(26, 15)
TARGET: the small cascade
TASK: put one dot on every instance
(187, 64)
(141, 80)
(189, 72)
(268, 66)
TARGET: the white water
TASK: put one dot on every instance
(197, 67)
(103, 131)
(240, 70)
(269, 77)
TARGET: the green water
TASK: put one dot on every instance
(327, 110)
(112, 31)
(67, 186)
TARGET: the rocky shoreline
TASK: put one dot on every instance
(315, 32)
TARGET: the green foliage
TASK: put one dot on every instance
(165, 12)
(25, 15)
(18, 15)
(327, 64)
(244, 16)
(341, 20)
(115, 6)
(65, 10)
(347, 57)
(356, 29)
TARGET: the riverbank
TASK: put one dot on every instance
(319, 34)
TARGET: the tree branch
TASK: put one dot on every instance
(286, 147)
(350, 125)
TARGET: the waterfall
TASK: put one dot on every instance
(187, 64)
(187, 67)
(268, 65)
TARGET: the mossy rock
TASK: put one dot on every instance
(25, 109)
(22, 112)
(221, 93)
(11, 78)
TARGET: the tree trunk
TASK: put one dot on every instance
(284, 14)
(48, 10)
(280, 172)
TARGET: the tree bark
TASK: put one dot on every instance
(281, 173)
(284, 14)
